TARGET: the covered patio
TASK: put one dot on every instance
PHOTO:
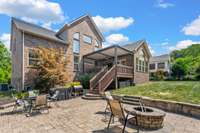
(113, 62)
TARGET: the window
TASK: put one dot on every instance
(141, 63)
(161, 65)
(87, 39)
(33, 57)
(76, 46)
(76, 63)
(76, 36)
(152, 66)
(76, 43)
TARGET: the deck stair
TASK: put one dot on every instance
(131, 100)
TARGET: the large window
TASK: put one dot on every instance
(76, 63)
(141, 62)
(87, 39)
(33, 58)
(161, 65)
(76, 43)
(152, 66)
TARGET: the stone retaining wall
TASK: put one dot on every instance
(172, 106)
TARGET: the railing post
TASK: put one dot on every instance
(116, 81)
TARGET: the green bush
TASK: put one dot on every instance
(85, 80)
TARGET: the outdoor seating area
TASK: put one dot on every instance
(85, 116)
(30, 101)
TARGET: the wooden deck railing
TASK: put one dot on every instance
(124, 71)
(105, 77)
(106, 80)
(95, 79)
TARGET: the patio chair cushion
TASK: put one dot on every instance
(75, 84)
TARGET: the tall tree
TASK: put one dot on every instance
(5, 64)
(51, 68)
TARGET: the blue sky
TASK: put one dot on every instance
(165, 24)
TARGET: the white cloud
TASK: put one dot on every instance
(193, 28)
(116, 39)
(112, 23)
(35, 11)
(183, 44)
(5, 38)
(165, 43)
(163, 4)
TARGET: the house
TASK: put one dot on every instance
(118, 65)
(160, 63)
(82, 42)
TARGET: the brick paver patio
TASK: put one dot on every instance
(83, 116)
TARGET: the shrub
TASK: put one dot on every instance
(85, 80)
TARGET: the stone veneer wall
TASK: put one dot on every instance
(188, 109)
(172, 106)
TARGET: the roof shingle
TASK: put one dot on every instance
(36, 30)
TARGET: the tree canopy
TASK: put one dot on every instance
(186, 62)
(5, 64)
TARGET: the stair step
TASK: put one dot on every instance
(131, 103)
(131, 99)
(92, 95)
(91, 98)
(135, 97)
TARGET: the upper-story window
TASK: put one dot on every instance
(33, 57)
(161, 65)
(152, 66)
(87, 39)
(141, 62)
(76, 43)
(76, 63)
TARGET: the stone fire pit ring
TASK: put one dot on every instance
(151, 119)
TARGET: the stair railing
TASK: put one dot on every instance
(94, 80)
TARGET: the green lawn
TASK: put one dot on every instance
(182, 91)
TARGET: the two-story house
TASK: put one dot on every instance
(77, 38)
(82, 42)
(161, 63)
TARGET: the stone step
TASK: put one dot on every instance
(131, 99)
(92, 95)
(135, 97)
(131, 103)
(91, 98)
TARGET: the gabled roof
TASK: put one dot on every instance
(36, 30)
(81, 19)
(135, 45)
(161, 58)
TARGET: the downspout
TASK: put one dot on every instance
(22, 60)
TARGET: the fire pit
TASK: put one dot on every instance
(147, 117)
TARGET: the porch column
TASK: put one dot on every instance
(116, 80)
(83, 67)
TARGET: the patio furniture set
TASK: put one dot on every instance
(35, 101)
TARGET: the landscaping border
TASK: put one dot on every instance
(188, 109)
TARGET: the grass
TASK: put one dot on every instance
(181, 91)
